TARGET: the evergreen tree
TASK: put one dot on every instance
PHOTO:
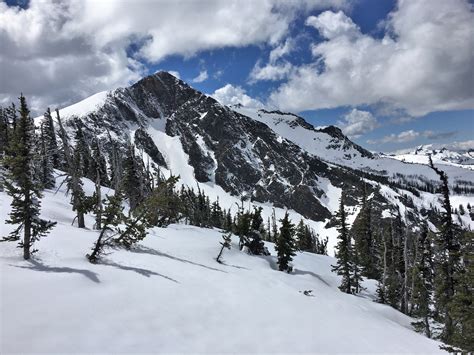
(46, 167)
(226, 243)
(162, 206)
(447, 260)
(82, 152)
(216, 215)
(4, 132)
(461, 307)
(285, 245)
(242, 225)
(365, 245)
(22, 186)
(254, 241)
(423, 281)
(49, 134)
(344, 265)
(74, 182)
(112, 216)
(357, 278)
(305, 238)
(99, 164)
(116, 164)
(321, 245)
(4, 143)
(132, 180)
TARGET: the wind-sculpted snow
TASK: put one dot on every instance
(168, 294)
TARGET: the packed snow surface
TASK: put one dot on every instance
(170, 295)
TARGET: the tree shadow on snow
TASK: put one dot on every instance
(304, 272)
(236, 266)
(140, 249)
(37, 265)
(143, 272)
(271, 260)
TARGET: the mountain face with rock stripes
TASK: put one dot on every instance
(269, 157)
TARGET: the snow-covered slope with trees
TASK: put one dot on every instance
(168, 294)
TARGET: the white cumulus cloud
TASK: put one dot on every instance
(423, 63)
(60, 51)
(201, 77)
(357, 122)
(233, 95)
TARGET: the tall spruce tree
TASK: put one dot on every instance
(304, 237)
(285, 245)
(46, 162)
(23, 187)
(388, 290)
(423, 281)
(365, 245)
(344, 265)
(447, 260)
(49, 133)
(132, 182)
(461, 306)
(73, 170)
(4, 143)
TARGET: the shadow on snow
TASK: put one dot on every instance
(37, 265)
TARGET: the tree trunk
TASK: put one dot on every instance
(427, 327)
(218, 259)
(27, 231)
(98, 216)
(80, 220)
(94, 257)
(384, 275)
(27, 239)
(405, 276)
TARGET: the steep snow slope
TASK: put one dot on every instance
(170, 295)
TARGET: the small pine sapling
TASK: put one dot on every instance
(226, 243)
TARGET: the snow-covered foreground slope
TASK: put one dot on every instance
(170, 295)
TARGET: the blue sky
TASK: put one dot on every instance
(391, 74)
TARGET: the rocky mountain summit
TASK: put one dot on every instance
(265, 156)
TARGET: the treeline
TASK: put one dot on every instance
(424, 274)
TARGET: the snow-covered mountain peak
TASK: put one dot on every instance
(270, 157)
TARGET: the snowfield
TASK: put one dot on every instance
(170, 295)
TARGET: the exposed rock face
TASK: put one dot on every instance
(244, 156)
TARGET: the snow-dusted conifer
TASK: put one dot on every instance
(74, 182)
(423, 281)
(23, 187)
(343, 266)
(285, 245)
(46, 162)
